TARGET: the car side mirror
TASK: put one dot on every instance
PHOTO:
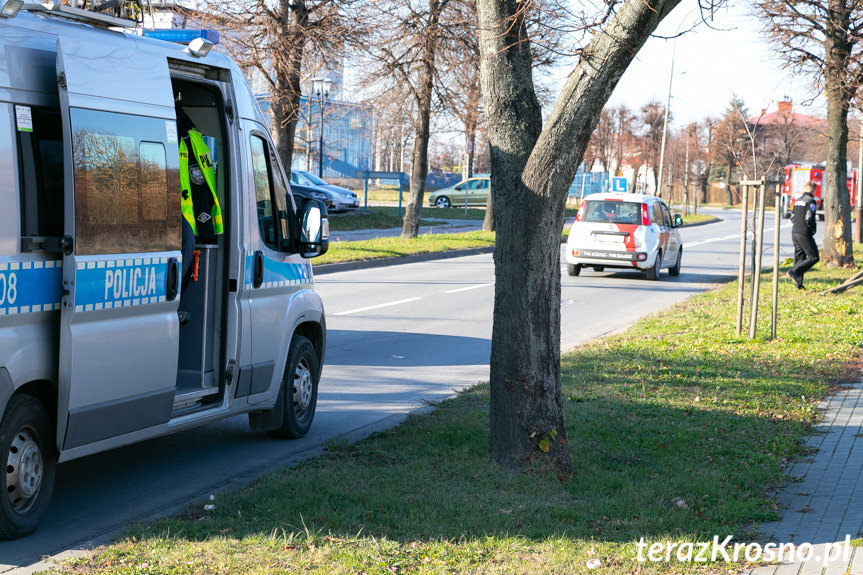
(314, 229)
(678, 220)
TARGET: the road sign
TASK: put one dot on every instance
(618, 185)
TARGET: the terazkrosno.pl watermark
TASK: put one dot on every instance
(725, 550)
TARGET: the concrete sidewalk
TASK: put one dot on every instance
(823, 504)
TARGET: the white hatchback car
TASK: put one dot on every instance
(619, 230)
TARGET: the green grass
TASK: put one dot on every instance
(676, 409)
(395, 246)
(383, 217)
(691, 219)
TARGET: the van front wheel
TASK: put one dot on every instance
(28, 466)
(299, 393)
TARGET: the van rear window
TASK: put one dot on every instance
(612, 212)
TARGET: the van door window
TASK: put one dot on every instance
(127, 189)
(271, 206)
(40, 153)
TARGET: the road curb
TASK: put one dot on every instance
(324, 269)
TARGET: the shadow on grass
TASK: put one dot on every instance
(660, 448)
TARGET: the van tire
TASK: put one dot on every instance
(573, 269)
(29, 463)
(298, 396)
(653, 273)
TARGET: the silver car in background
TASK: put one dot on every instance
(338, 199)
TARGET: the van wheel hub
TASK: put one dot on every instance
(303, 386)
(24, 470)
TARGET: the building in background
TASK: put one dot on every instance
(348, 137)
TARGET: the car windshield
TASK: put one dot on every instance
(613, 212)
(313, 178)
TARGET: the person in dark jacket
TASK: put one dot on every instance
(802, 234)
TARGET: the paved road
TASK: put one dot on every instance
(399, 337)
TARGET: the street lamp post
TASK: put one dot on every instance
(321, 88)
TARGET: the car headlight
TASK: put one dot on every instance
(319, 195)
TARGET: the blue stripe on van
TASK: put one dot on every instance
(28, 286)
(279, 274)
(120, 282)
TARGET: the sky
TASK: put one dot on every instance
(711, 66)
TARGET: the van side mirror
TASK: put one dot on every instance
(314, 229)
(678, 220)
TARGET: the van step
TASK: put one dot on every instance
(192, 397)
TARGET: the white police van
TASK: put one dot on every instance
(92, 351)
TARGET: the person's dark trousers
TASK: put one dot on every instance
(805, 254)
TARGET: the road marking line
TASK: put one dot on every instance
(467, 288)
(728, 237)
(379, 306)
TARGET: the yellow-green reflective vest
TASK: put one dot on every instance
(202, 153)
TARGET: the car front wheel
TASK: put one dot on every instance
(442, 202)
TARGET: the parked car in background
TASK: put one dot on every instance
(339, 199)
(630, 231)
(308, 193)
(474, 191)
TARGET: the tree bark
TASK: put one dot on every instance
(531, 172)
(419, 166)
(838, 249)
(285, 107)
(488, 220)
(419, 156)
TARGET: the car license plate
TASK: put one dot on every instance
(609, 238)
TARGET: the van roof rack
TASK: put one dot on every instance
(87, 16)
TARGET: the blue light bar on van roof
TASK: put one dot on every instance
(183, 36)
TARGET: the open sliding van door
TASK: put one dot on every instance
(119, 335)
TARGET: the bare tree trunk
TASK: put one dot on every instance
(285, 106)
(488, 220)
(531, 171)
(838, 250)
(728, 191)
(419, 155)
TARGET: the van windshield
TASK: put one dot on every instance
(612, 212)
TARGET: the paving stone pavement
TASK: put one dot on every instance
(823, 506)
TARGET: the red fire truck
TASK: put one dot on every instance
(796, 176)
